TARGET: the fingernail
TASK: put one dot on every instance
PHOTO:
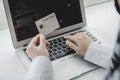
(67, 42)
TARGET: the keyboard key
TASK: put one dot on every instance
(54, 53)
(63, 46)
(57, 56)
(52, 58)
(55, 41)
(59, 48)
(51, 47)
(54, 45)
(60, 44)
(59, 52)
(59, 40)
(64, 50)
(63, 39)
(54, 49)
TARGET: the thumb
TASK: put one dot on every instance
(42, 40)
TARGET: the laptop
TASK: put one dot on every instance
(22, 15)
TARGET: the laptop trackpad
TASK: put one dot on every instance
(70, 68)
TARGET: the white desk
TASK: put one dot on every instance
(101, 18)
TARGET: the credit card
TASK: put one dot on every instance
(47, 24)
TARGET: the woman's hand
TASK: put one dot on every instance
(38, 47)
(78, 42)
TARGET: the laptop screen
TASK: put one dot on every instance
(25, 12)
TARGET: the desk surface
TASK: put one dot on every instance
(101, 18)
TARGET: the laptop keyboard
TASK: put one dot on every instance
(58, 47)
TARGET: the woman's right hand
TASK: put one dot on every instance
(78, 42)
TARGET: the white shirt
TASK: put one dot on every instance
(41, 67)
(99, 55)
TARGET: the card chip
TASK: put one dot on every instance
(41, 26)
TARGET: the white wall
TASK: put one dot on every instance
(93, 2)
(3, 21)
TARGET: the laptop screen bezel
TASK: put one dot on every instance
(17, 44)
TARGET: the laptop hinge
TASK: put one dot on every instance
(63, 33)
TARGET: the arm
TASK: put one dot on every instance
(99, 54)
(40, 69)
(91, 51)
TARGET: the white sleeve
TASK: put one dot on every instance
(40, 69)
(99, 55)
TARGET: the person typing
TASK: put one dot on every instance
(41, 67)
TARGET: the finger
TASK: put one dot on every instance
(82, 35)
(35, 40)
(72, 45)
(42, 40)
(71, 38)
(47, 43)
